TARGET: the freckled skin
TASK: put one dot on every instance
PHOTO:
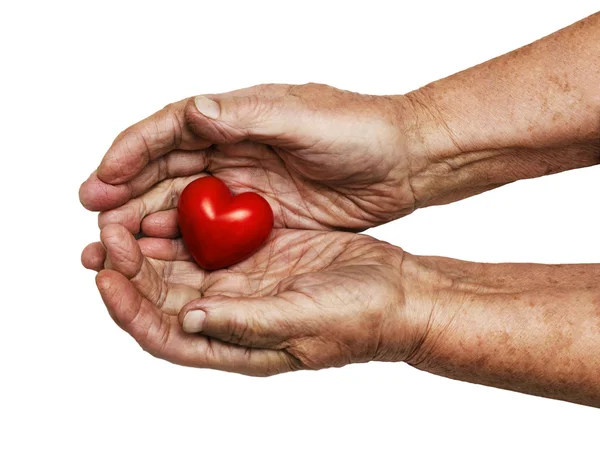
(532, 112)
(528, 113)
(515, 326)
(331, 162)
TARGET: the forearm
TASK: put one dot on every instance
(531, 112)
(529, 328)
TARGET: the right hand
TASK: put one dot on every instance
(305, 300)
(324, 158)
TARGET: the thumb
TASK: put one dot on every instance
(265, 322)
(265, 113)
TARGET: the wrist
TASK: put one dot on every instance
(526, 327)
(438, 293)
(453, 164)
(456, 154)
(424, 301)
(442, 167)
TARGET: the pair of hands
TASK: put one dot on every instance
(330, 163)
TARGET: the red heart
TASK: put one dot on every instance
(220, 229)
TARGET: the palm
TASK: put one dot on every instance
(330, 267)
(297, 201)
(308, 189)
(278, 266)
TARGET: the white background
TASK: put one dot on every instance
(79, 394)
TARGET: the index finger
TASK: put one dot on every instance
(148, 140)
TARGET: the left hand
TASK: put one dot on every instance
(307, 299)
(323, 158)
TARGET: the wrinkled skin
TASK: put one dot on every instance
(322, 157)
(307, 299)
(327, 159)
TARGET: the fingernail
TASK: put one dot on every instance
(207, 107)
(193, 320)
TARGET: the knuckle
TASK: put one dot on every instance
(293, 364)
(155, 338)
(250, 111)
(237, 329)
(310, 89)
(268, 88)
(303, 358)
(248, 107)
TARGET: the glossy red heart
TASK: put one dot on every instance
(220, 229)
